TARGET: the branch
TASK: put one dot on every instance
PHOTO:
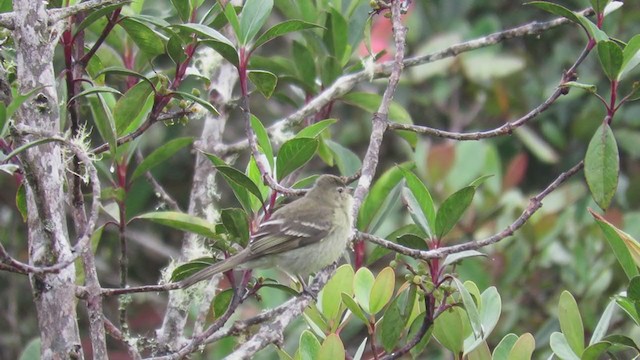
(346, 83)
(507, 128)
(58, 14)
(535, 203)
(159, 190)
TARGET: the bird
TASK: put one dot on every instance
(300, 238)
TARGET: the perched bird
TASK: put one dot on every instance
(300, 238)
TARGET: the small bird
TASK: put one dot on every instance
(300, 238)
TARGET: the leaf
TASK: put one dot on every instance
(603, 324)
(592, 29)
(602, 165)
(571, 322)
(183, 8)
(305, 64)
(232, 17)
(221, 302)
(523, 348)
(128, 107)
(160, 155)
(348, 162)
(263, 139)
(236, 222)
(355, 309)
(454, 258)
(316, 129)
(396, 318)
(340, 283)
(382, 290)
(181, 221)
(95, 15)
(187, 96)
(293, 154)
(309, 346)
(143, 36)
(422, 196)
(264, 81)
(599, 5)
(449, 329)
(94, 90)
(471, 308)
(335, 37)
(122, 71)
(185, 270)
(621, 243)
(593, 352)
(630, 56)
(31, 351)
(481, 352)
(561, 347)
(103, 119)
(282, 28)
(253, 16)
(362, 284)
(332, 348)
(452, 209)
(213, 39)
(175, 49)
(555, 9)
(235, 180)
(412, 241)
(501, 351)
(611, 58)
(21, 201)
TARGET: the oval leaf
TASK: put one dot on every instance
(160, 155)
(293, 154)
(571, 322)
(382, 290)
(181, 221)
(452, 209)
(602, 165)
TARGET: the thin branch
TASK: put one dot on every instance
(507, 128)
(115, 333)
(346, 83)
(58, 14)
(159, 190)
(535, 203)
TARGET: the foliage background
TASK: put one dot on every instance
(560, 248)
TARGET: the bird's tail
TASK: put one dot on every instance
(213, 269)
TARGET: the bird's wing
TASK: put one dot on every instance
(291, 231)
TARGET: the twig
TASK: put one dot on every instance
(535, 203)
(115, 333)
(346, 83)
(58, 14)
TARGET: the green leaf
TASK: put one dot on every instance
(395, 319)
(336, 36)
(233, 176)
(452, 209)
(128, 107)
(630, 56)
(187, 96)
(294, 154)
(412, 241)
(125, 72)
(372, 205)
(282, 28)
(621, 245)
(213, 39)
(331, 70)
(3, 120)
(555, 9)
(142, 35)
(305, 65)
(175, 49)
(340, 283)
(309, 346)
(31, 351)
(94, 90)
(490, 307)
(264, 81)
(454, 258)
(316, 320)
(160, 155)
(355, 309)
(316, 129)
(181, 221)
(21, 201)
(422, 196)
(471, 308)
(481, 352)
(592, 29)
(611, 57)
(236, 222)
(501, 351)
(571, 322)
(332, 348)
(348, 162)
(362, 284)
(594, 351)
(232, 17)
(603, 324)
(187, 269)
(523, 348)
(221, 302)
(263, 139)
(103, 119)
(450, 329)
(14, 105)
(253, 16)
(95, 15)
(602, 165)
(561, 347)
(382, 290)
(413, 331)
(183, 7)
(599, 5)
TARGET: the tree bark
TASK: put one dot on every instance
(43, 165)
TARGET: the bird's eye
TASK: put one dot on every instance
(340, 190)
